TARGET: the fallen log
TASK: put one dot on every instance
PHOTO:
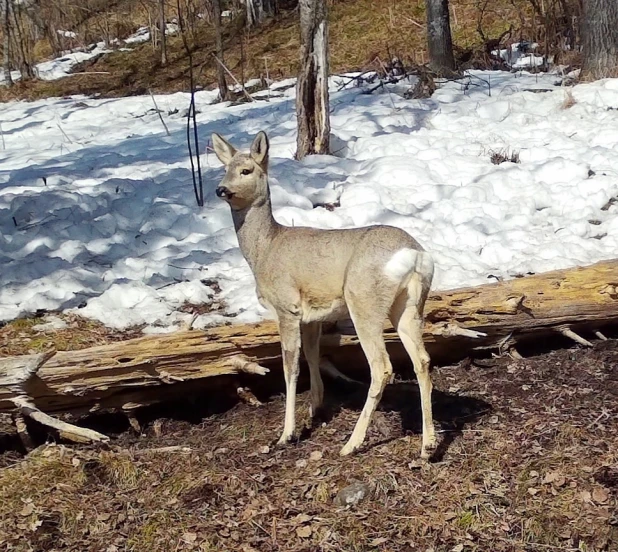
(134, 373)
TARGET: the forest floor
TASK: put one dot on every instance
(528, 461)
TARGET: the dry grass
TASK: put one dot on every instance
(21, 336)
(503, 155)
(539, 471)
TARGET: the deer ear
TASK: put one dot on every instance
(223, 149)
(259, 149)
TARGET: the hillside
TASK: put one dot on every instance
(362, 33)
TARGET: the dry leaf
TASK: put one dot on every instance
(189, 538)
(532, 491)
(585, 496)
(304, 532)
(75, 461)
(315, 455)
(457, 548)
(27, 509)
(378, 541)
(265, 449)
(600, 495)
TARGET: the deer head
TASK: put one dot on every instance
(246, 174)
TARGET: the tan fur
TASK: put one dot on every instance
(307, 276)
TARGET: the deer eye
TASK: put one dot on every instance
(245, 172)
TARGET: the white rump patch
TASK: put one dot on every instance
(402, 263)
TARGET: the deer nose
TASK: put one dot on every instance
(222, 191)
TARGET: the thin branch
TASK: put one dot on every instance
(249, 97)
(167, 130)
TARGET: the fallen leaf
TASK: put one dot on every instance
(27, 509)
(532, 491)
(600, 495)
(457, 548)
(302, 463)
(75, 461)
(315, 455)
(378, 541)
(265, 449)
(189, 538)
(585, 496)
(304, 531)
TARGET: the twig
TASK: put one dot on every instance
(600, 335)
(568, 332)
(241, 363)
(167, 130)
(67, 431)
(249, 97)
(64, 133)
(164, 450)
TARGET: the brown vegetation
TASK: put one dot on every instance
(360, 32)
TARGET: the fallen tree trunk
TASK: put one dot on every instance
(141, 371)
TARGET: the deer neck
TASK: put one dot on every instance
(256, 228)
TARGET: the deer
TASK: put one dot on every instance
(306, 276)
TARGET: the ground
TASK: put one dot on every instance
(528, 461)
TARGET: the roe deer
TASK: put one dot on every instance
(306, 276)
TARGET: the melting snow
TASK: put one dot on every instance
(97, 208)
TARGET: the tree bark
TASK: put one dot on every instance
(6, 24)
(312, 102)
(439, 41)
(224, 91)
(155, 368)
(600, 38)
(162, 27)
(259, 10)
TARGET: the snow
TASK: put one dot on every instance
(60, 67)
(143, 34)
(520, 55)
(97, 213)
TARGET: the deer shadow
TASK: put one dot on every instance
(451, 412)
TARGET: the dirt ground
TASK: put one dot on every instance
(528, 462)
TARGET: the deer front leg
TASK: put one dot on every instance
(289, 330)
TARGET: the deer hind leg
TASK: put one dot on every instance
(407, 318)
(289, 330)
(368, 311)
(311, 347)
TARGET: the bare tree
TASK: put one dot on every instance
(224, 91)
(312, 86)
(600, 38)
(6, 25)
(259, 10)
(162, 26)
(439, 41)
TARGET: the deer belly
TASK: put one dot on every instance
(324, 312)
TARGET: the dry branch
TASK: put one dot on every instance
(130, 374)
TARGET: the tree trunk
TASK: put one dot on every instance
(439, 41)
(156, 368)
(224, 91)
(26, 66)
(312, 105)
(600, 38)
(6, 24)
(259, 10)
(162, 26)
